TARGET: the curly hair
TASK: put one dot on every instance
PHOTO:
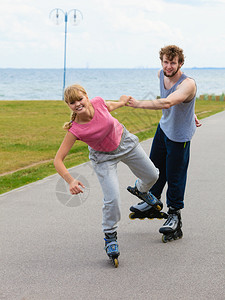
(171, 52)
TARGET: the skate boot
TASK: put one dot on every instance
(111, 248)
(142, 210)
(148, 197)
(171, 229)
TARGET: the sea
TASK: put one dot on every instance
(110, 84)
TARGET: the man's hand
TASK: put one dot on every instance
(197, 122)
(132, 102)
(124, 99)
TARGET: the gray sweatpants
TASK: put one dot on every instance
(132, 154)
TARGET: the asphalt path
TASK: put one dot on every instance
(51, 244)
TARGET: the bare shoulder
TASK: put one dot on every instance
(159, 73)
(69, 138)
(189, 84)
(190, 81)
(188, 87)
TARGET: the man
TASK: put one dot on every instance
(171, 144)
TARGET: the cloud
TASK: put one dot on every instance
(113, 33)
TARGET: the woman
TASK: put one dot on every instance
(109, 143)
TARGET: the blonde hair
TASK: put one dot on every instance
(72, 94)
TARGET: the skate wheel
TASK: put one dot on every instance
(158, 207)
(164, 239)
(164, 215)
(131, 215)
(181, 235)
(116, 262)
(161, 216)
(178, 235)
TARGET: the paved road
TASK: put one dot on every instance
(52, 245)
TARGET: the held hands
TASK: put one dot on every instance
(129, 101)
(74, 187)
(132, 102)
(124, 99)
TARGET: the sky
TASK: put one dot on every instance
(112, 34)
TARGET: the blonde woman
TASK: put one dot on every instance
(109, 143)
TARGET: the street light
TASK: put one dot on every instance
(57, 15)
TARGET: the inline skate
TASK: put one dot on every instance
(142, 210)
(147, 197)
(111, 248)
(171, 229)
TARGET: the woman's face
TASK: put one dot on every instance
(80, 105)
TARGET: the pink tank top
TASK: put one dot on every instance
(103, 133)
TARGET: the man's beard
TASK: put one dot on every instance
(171, 75)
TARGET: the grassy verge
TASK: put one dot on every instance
(31, 132)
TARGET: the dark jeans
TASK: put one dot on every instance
(171, 158)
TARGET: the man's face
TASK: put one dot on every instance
(170, 67)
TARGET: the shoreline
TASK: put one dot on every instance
(210, 97)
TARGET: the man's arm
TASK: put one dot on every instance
(184, 93)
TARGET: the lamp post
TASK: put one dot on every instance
(57, 15)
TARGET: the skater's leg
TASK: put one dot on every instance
(142, 167)
(158, 157)
(177, 165)
(176, 171)
(147, 174)
(107, 176)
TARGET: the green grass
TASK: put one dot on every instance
(31, 133)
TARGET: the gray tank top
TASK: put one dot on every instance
(178, 121)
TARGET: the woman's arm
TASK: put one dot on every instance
(112, 105)
(64, 149)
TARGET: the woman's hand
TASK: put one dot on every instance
(75, 187)
(124, 99)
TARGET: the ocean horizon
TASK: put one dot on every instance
(109, 83)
